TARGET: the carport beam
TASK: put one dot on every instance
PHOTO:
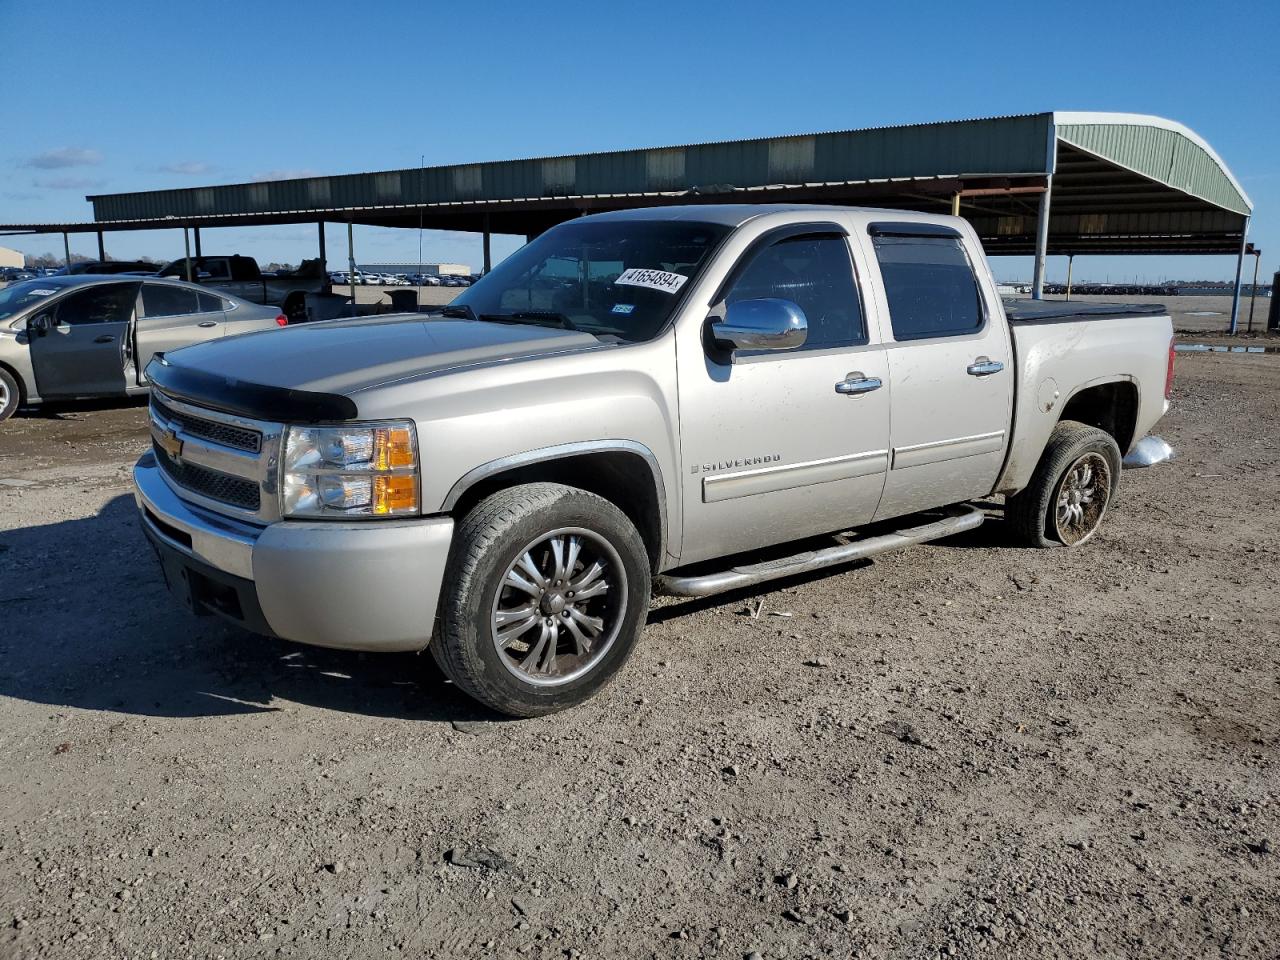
(1235, 296)
(102, 250)
(1042, 244)
(66, 246)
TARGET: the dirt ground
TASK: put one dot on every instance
(969, 749)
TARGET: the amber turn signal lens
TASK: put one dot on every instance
(394, 494)
(393, 448)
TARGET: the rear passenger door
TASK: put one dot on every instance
(951, 366)
(174, 316)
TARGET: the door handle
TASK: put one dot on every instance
(105, 338)
(207, 323)
(856, 383)
(984, 367)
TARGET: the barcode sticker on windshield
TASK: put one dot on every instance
(653, 279)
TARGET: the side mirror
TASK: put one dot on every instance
(764, 324)
(38, 325)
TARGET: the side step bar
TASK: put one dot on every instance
(963, 517)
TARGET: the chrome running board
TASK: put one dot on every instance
(963, 517)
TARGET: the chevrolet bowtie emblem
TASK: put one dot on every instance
(168, 441)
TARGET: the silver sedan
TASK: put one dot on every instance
(92, 336)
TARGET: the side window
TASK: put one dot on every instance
(112, 303)
(815, 272)
(216, 269)
(211, 304)
(931, 287)
(162, 300)
(242, 268)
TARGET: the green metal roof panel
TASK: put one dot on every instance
(1161, 150)
(1006, 145)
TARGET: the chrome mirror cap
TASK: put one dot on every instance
(764, 324)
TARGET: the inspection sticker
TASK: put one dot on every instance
(653, 279)
(44, 293)
(623, 308)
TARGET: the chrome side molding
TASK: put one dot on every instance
(962, 517)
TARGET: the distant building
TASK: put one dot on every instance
(11, 258)
(431, 269)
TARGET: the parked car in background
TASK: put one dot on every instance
(241, 277)
(631, 402)
(88, 336)
(108, 267)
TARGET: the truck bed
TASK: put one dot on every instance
(1020, 310)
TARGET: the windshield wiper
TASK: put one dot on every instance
(536, 315)
(458, 310)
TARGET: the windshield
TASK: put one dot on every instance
(617, 278)
(18, 296)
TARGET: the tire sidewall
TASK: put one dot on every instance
(15, 395)
(468, 611)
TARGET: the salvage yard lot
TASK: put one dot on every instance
(966, 749)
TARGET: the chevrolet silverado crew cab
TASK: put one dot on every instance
(662, 399)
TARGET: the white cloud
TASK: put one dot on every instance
(283, 175)
(190, 168)
(64, 157)
(69, 183)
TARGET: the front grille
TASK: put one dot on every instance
(234, 491)
(229, 435)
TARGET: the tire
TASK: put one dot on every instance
(10, 394)
(1086, 462)
(570, 647)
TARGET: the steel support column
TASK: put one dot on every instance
(351, 264)
(66, 247)
(955, 204)
(488, 257)
(324, 257)
(1235, 295)
(1253, 293)
(196, 234)
(186, 246)
(102, 249)
(1071, 259)
(1042, 244)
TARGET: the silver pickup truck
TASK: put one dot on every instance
(664, 399)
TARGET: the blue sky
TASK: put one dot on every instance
(105, 98)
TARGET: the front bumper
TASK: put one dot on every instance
(370, 585)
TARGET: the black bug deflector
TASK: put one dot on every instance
(254, 400)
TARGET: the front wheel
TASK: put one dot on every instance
(1071, 488)
(546, 592)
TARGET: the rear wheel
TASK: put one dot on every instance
(546, 593)
(1071, 489)
(10, 394)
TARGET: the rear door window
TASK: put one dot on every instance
(162, 300)
(931, 286)
(211, 304)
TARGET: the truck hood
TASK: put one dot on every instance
(346, 356)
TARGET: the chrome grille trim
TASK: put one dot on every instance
(202, 432)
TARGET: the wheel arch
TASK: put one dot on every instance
(1110, 405)
(624, 472)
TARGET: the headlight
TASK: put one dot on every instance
(358, 470)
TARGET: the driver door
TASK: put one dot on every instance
(82, 351)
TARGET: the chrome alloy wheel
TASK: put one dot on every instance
(4, 395)
(559, 607)
(1082, 498)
